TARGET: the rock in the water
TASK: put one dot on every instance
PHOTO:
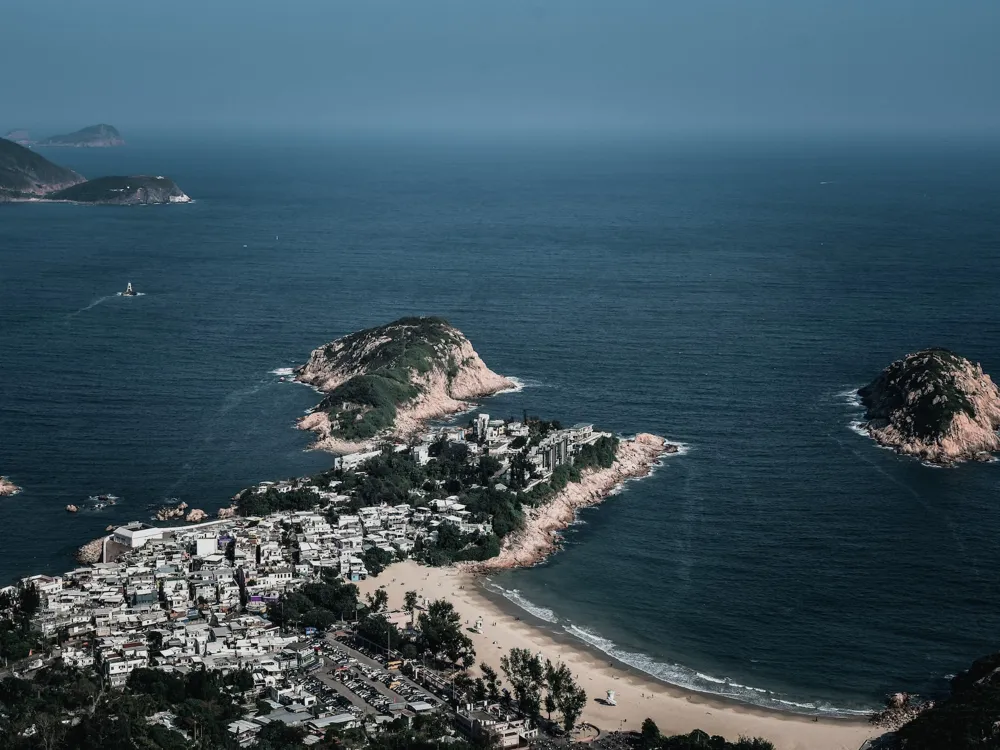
(229, 512)
(7, 487)
(934, 405)
(72, 508)
(392, 379)
(196, 515)
(171, 512)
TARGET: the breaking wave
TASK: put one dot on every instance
(514, 596)
(283, 372)
(689, 679)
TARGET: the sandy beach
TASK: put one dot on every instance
(673, 709)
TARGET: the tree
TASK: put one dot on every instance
(279, 736)
(410, 599)
(571, 705)
(650, 734)
(376, 559)
(526, 675)
(377, 600)
(492, 682)
(441, 632)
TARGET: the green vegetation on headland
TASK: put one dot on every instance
(395, 477)
(924, 386)
(122, 190)
(27, 175)
(366, 405)
(382, 368)
(964, 720)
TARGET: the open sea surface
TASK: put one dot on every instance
(729, 295)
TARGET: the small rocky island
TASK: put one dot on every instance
(7, 487)
(28, 176)
(934, 405)
(389, 380)
(92, 136)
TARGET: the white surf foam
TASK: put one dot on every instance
(514, 596)
(850, 397)
(283, 371)
(700, 682)
(520, 384)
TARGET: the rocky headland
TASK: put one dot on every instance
(134, 190)
(388, 381)
(7, 487)
(539, 536)
(28, 176)
(92, 136)
(934, 405)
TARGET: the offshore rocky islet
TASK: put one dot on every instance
(935, 405)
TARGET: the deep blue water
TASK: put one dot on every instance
(725, 294)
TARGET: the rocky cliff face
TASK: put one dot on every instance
(934, 405)
(391, 379)
(137, 190)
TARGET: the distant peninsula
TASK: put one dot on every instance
(123, 191)
(28, 176)
(93, 136)
(934, 405)
(388, 380)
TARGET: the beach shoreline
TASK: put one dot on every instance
(639, 695)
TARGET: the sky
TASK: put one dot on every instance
(660, 65)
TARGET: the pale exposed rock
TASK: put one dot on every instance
(934, 405)
(456, 375)
(91, 552)
(196, 515)
(229, 512)
(8, 488)
(171, 512)
(72, 508)
(540, 536)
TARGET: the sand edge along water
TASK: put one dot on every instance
(638, 696)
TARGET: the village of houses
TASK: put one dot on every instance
(179, 587)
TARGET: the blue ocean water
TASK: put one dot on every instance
(729, 295)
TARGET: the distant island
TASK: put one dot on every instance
(20, 136)
(92, 136)
(389, 380)
(934, 405)
(28, 176)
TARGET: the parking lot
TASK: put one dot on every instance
(360, 679)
